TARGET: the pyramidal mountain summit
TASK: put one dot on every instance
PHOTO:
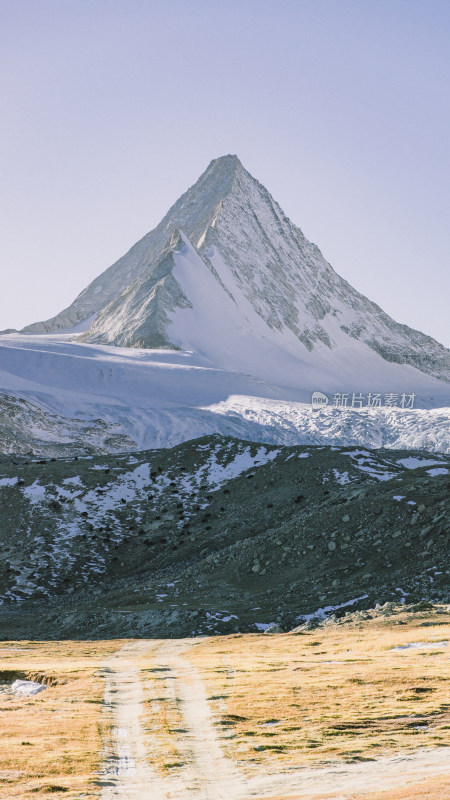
(228, 276)
(224, 319)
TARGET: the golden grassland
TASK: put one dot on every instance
(340, 692)
(278, 702)
(51, 743)
(304, 700)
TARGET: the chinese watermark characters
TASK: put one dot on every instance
(359, 400)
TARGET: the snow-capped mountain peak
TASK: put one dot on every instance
(227, 275)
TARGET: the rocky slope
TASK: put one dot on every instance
(26, 428)
(216, 535)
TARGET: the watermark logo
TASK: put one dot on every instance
(319, 399)
(359, 400)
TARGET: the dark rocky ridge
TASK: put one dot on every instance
(168, 543)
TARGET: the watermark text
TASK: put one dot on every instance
(360, 400)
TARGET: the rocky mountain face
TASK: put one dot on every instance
(227, 275)
(216, 535)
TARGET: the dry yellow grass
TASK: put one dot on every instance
(337, 693)
(50, 743)
(278, 702)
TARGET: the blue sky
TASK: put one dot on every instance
(110, 110)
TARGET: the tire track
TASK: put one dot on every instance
(126, 772)
(208, 774)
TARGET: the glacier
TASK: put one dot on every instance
(60, 397)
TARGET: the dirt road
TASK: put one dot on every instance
(126, 772)
(206, 773)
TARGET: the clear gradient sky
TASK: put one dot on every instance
(110, 109)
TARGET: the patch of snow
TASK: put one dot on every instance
(34, 493)
(8, 481)
(341, 477)
(437, 471)
(75, 481)
(221, 616)
(379, 476)
(27, 688)
(215, 473)
(357, 453)
(322, 612)
(262, 626)
(413, 462)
